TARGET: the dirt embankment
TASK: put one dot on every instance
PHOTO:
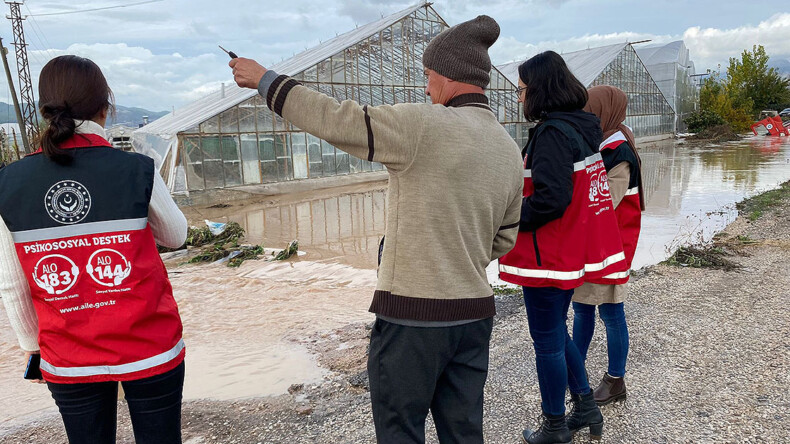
(708, 363)
(715, 134)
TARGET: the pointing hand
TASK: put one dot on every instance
(247, 72)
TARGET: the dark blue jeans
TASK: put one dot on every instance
(89, 410)
(558, 361)
(613, 316)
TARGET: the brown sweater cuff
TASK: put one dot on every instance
(423, 309)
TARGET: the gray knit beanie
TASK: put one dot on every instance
(461, 52)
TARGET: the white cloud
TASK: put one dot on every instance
(138, 77)
(711, 46)
(509, 49)
(708, 46)
(365, 11)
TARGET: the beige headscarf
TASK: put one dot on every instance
(610, 104)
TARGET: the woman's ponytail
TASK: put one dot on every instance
(61, 128)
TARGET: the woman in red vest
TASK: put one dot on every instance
(568, 234)
(80, 275)
(623, 168)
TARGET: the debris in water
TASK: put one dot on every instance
(246, 253)
(216, 228)
(198, 237)
(222, 244)
(289, 251)
(212, 255)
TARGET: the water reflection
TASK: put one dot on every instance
(691, 189)
(347, 226)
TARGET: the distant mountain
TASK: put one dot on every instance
(7, 114)
(129, 116)
(133, 116)
(781, 64)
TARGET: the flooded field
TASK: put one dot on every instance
(245, 327)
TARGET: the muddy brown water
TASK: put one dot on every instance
(245, 328)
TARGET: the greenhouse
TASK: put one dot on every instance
(649, 113)
(231, 138)
(671, 68)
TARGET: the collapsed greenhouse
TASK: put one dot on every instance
(231, 138)
(649, 112)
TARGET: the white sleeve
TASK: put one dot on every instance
(16, 293)
(167, 221)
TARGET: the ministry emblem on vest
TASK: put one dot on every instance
(68, 202)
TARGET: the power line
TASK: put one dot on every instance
(97, 9)
(35, 24)
(38, 35)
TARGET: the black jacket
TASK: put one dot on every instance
(552, 167)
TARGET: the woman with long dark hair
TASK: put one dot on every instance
(80, 275)
(562, 241)
(623, 167)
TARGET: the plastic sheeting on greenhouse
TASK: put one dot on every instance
(671, 67)
(586, 65)
(230, 138)
(649, 113)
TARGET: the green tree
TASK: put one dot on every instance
(717, 97)
(751, 78)
(749, 87)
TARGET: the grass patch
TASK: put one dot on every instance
(504, 290)
(754, 207)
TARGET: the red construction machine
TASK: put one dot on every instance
(773, 124)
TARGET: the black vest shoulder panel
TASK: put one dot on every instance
(100, 184)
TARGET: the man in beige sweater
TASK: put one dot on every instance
(454, 205)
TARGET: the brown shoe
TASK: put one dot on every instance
(610, 390)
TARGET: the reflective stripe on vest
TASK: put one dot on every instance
(109, 226)
(132, 367)
(563, 275)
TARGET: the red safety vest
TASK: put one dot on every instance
(105, 306)
(628, 211)
(581, 245)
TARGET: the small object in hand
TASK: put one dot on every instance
(33, 370)
(230, 53)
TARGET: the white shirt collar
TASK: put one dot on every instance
(89, 127)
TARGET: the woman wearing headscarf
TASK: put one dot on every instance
(623, 167)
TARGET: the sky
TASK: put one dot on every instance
(161, 55)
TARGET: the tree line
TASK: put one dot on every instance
(737, 96)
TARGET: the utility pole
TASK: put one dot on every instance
(25, 81)
(3, 52)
